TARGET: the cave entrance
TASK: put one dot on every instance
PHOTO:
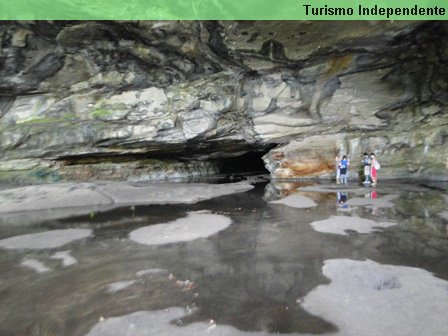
(247, 164)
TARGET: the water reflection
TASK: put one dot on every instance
(254, 275)
(342, 198)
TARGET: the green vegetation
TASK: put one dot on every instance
(70, 116)
(39, 121)
(98, 113)
(44, 174)
(36, 175)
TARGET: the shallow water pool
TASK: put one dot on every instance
(290, 258)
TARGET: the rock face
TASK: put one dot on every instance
(143, 100)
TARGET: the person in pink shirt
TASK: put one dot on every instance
(375, 166)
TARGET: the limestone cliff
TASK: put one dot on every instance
(141, 100)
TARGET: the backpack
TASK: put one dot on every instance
(343, 167)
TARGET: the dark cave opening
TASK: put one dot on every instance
(249, 163)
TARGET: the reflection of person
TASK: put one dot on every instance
(342, 199)
(373, 209)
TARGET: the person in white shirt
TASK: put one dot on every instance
(366, 162)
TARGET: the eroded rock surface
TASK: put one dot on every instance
(86, 196)
(144, 100)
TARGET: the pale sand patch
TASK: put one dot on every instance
(380, 202)
(296, 201)
(162, 323)
(339, 224)
(367, 298)
(151, 271)
(194, 226)
(67, 259)
(35, 265)
(45, 240)
(118, 286)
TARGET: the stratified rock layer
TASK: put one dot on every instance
(144, 100)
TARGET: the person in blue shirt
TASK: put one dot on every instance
(343, 169)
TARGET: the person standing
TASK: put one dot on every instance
(374, 167)
(366, 162)
(343, 169)
(348, 166)
(338, 174)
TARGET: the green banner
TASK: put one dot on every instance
(223, 10)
